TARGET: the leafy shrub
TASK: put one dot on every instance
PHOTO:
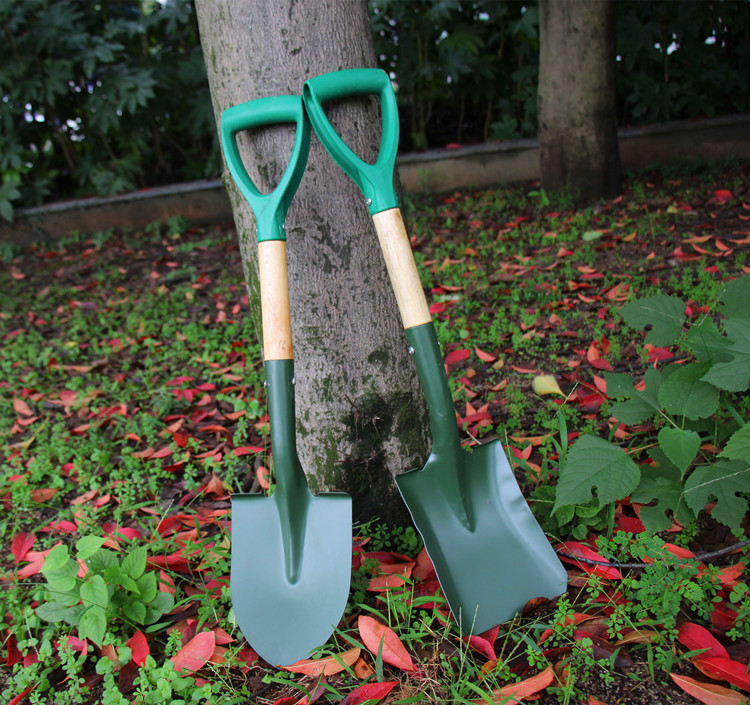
(701, 450)
(111, 588)
(102, 98)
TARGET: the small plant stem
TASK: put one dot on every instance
(733, 412)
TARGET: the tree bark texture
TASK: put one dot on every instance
(360, 414)
(577, 98)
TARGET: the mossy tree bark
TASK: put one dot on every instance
(360, 414)
(576, 98)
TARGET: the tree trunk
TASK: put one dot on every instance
(576, 98)
(360, 414)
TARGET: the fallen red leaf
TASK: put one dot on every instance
(731, 573)
(21, 545)
(328, 666)
(377, 636)
(482, 645)
(696, 637)
(21, 696)
(722, 195)
(263, 475)
(382, 583)
(723, 617)
(457, 356)
(247, 450)
(216, 487)
(485, 356)
(42, 495)
(139, 647)
(196, 653)
(424, 570)
(370, 692)
(708, 693)
(594, 701)
(724, 669)
(21, 407)
(579, 550)
(320, 688)
(515, 692)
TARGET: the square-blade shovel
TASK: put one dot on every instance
(490, 554)
(291, 552)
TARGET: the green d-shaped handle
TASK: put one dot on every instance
(269, 209)
(374, 180)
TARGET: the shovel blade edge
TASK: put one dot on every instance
(488, 572)
(285, 621)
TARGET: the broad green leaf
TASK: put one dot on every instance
(619, 384)
(684, 393)
(64, 579)
(102, 560)
(147, 587)
(93, 625)
(56, 559)
(738, 445)
(706, 342)
(665, 315)
(134, 564)
(135, 611)
(161, 604)
(565, 514)
(94, 592)
(55, 611)
(642, 405)
(722, 481)
(680, 446)
(735, 297)
(594, 462)
(734, 374)
(87, 546)
(661, 484)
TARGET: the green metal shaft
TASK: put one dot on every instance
(446, 443)
(292, 493)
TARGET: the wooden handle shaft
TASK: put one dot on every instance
(274, 296)
(402, 269)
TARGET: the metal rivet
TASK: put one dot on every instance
(266, 384)
(411, 350)
(368, 201)
(283, 226)
(294, 380)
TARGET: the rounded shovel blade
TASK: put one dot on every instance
(283, 620)
(491, 568)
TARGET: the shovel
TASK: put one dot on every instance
(291, 552)
(489, 553)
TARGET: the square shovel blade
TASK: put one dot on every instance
(283, 619)
(491, 568)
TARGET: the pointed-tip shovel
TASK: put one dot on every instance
(291, 552)
(489, 553)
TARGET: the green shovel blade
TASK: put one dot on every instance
(285, 619)
(490, 569)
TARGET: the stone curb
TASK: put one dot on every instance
(440, 170)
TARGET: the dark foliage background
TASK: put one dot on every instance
(99, 98)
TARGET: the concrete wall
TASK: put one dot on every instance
(206, 202)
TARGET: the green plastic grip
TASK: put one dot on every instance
(374, 180)
(269, 209)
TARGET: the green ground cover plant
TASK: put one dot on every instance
(607, 349)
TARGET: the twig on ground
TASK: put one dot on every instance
(706, 556)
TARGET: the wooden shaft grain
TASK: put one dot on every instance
(274, 296)
(402, 269)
